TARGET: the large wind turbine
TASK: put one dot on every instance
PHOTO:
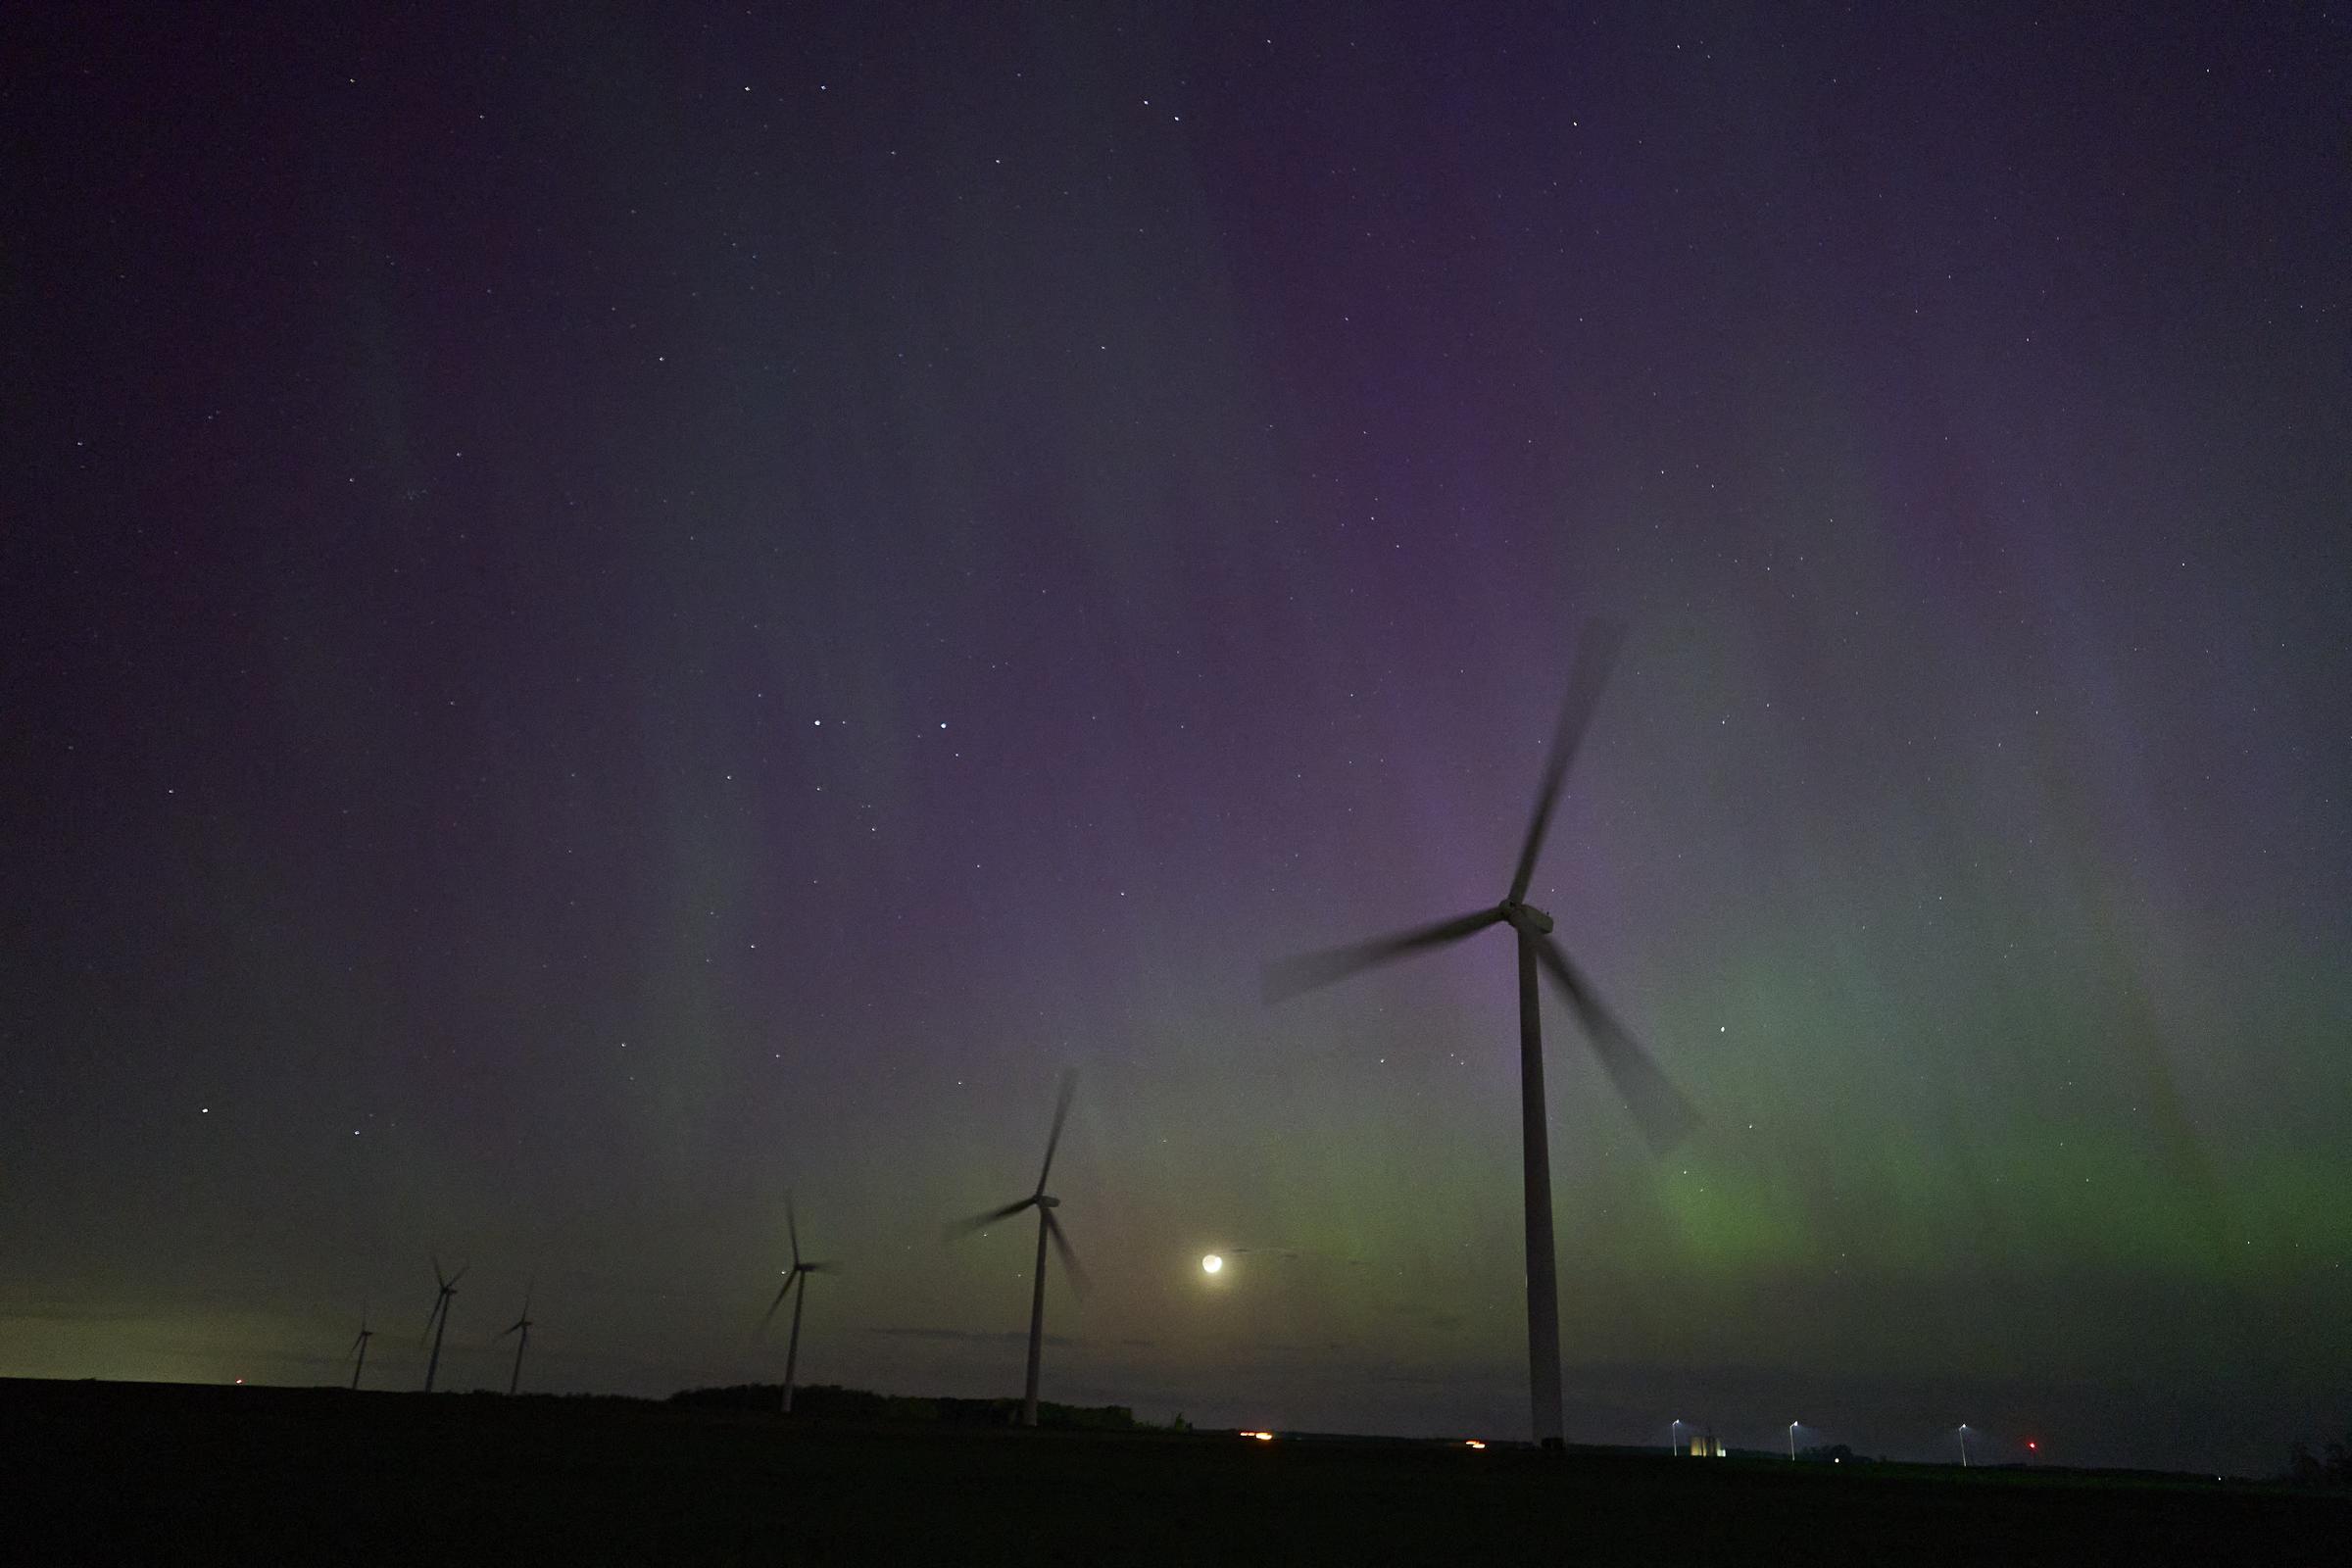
(793, 1276)
(1663, 1114)
(1047, 1226)
(438, 1324)
(520, 1326)
(359, 1348)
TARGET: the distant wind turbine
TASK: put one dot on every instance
(793, 1276)
(1047, 1227)
(1663, 1114)
(359, 1348)
(438, 1324)
(521, 1326)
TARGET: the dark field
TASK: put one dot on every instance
(147, 1473)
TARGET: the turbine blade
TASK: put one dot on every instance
(1061, 1111)
(965, 1227)
(1596, 651)
(1079, 1282)
(790, 1279)
(459, 1275)
(1287, 977)
(792, 1227)
(439, 1278)
(1664, 1116)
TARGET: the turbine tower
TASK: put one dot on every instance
(793, 1276)
(358, 1348)
(1661, 1111)
(1048, 1227)
(520, 1326)
(437, 1325)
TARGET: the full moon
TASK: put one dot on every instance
(1211, 1263)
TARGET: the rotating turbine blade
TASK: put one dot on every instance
(439, 1278)
(1596, 651)
(791, 1278)
(1287, 977)
(1079, 1282)
(792, 1227)
(979, 1222)
(1061, 1111)
(1664, 1116)
(459, 1275)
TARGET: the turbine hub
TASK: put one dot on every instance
(1528, 918)
(1042, 1202)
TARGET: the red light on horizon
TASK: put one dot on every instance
(2031, 1447)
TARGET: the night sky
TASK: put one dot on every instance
(606, 618)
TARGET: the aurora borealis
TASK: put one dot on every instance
(610, 617)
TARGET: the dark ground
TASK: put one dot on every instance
(174, 1473)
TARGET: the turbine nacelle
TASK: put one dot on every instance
(1526, 918)
(1042, 1202)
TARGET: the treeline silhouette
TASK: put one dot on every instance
(826, 1402)
(2307, 1469)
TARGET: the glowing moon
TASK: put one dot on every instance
(1211, 1263)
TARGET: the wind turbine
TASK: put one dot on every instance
(793, 1276)
(1047, 1226)
(359, 1348)
(1663, 1114)
(520, 1326)
(438, 1324)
